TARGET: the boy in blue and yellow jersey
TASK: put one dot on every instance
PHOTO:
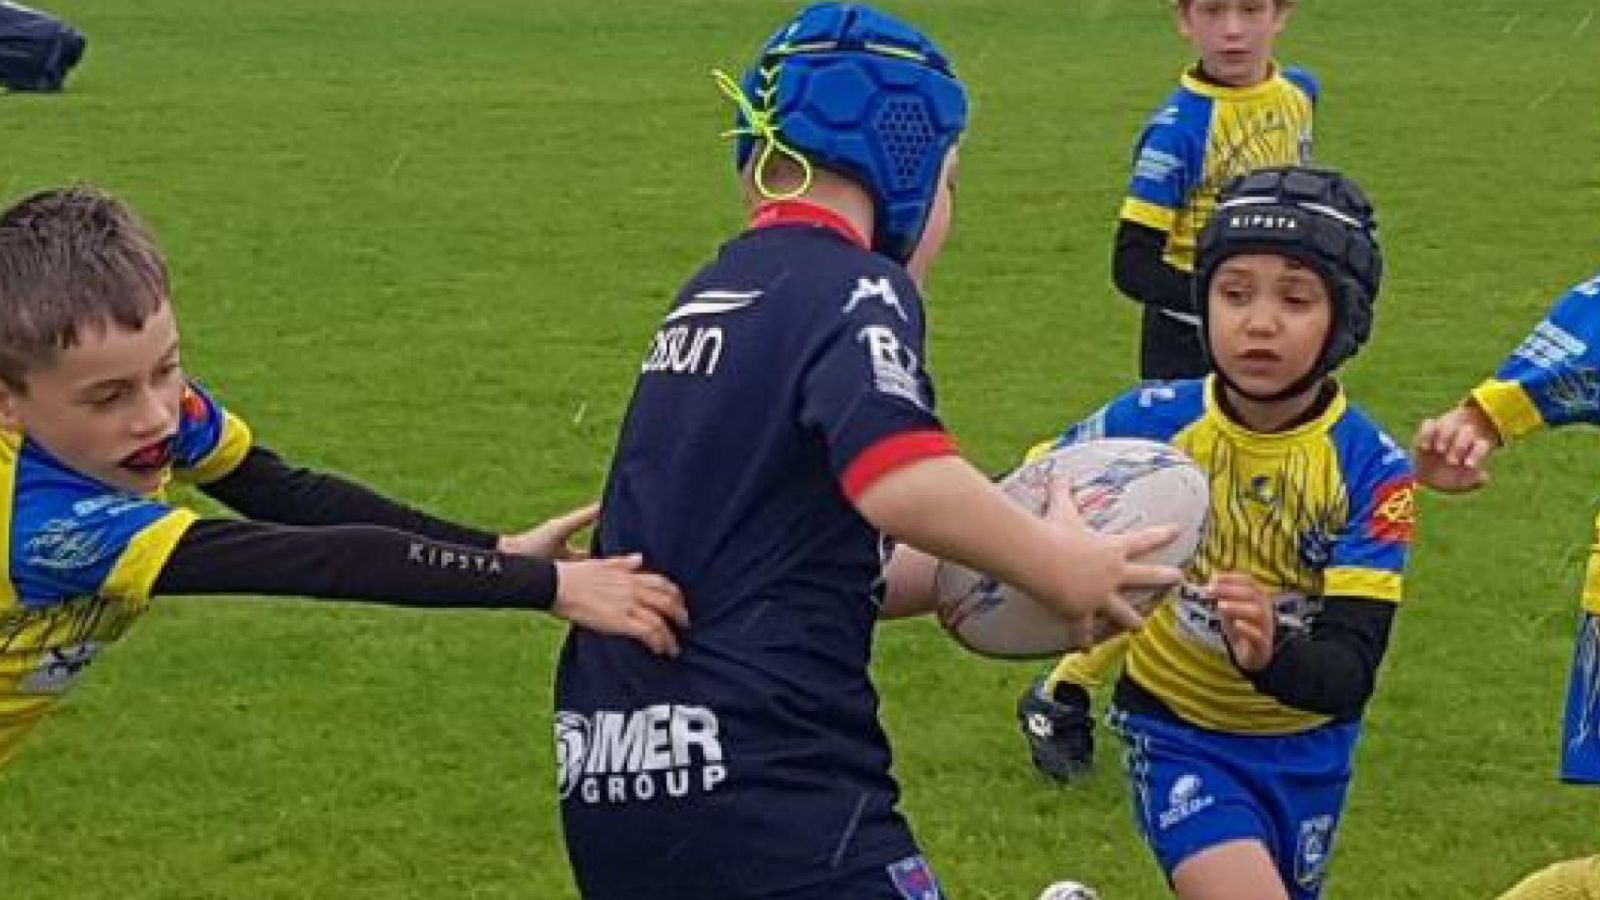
(1551, 380)
(1242, 697)
(781, 437)
(96, 416)
(1234, 111)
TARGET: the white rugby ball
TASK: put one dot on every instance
(1069, 890)
(1119, 485)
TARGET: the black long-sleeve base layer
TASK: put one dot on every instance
(319, 535)
(1332, 670)
(1169, 348)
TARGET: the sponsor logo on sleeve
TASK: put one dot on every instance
(1550, 346)
(68, 545)
(894, 365)
(880, 289)
(1155, 165)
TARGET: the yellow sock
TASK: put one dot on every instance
(1574, 879)
(1089, 668)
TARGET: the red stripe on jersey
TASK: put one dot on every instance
(893, 452)
(799, 212)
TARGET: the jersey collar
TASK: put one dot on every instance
(1319, 423)
(1194, 83)
(799, 212)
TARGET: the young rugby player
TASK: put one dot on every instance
(97, 415)
(1551, 380)
(1234, 110)
(781, 436)
(1242, 698)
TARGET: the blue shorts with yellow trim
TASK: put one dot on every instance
(1194, 789)
(1580, 726)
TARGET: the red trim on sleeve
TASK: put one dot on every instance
(799, 212)
(893, 452)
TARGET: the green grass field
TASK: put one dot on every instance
(427, 243)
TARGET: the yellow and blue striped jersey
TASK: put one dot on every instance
(1553, 377)
(1205, 135)
(1323, 509)
(81, 557)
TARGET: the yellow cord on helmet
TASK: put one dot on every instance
(763, 127)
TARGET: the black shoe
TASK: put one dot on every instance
(1059, 729)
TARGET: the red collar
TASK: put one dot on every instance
(799, 212)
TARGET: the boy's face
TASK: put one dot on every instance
(1234, 37)
(1268, 318)
(109, 406)
(938, 227)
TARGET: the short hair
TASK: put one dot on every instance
(1181, 4)
(71, 258)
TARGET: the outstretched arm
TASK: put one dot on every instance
(266, 488)
(374, 563)
(947, 509)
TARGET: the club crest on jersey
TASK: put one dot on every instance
(637, 756)
(1394, 514)
(914, 879)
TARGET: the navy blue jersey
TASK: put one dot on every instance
(786, 377)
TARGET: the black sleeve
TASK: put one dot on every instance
(351, 562)
(1141, 273)
(1334, 669)
(266, 488)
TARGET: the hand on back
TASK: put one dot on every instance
(616, 596)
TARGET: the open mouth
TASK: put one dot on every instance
(149, 458)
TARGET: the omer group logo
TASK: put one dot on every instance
(662, 751)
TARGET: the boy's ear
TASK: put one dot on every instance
(1180, 22)
(9, 419)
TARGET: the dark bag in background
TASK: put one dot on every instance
(37, 50)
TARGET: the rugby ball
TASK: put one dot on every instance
(1069, 890)
(1119, 485)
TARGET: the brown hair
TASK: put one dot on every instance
(1185, 4)
(71, 258)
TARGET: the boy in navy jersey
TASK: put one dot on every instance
(97, 417)
(781, 436)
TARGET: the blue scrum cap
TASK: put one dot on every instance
(853, 90)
